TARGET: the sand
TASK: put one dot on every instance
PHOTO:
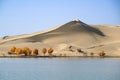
(67, 38)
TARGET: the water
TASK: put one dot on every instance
(59, 69)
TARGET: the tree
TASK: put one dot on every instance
(35, 51)
(50, 51)
(44, 50)
(29, 52)
(26, 51)
(12, 49)
(91, 53)
(18, 51)
(101, 53)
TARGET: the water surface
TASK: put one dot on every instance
(59, 69)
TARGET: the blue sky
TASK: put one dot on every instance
(28, 16)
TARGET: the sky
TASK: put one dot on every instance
(28, 16)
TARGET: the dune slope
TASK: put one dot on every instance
(91, 38)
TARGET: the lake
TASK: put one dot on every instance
(59, 68)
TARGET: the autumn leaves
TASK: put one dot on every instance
(28, 52)
(46, 52)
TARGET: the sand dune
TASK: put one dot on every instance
(90, 38)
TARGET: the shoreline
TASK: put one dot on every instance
(59, 57)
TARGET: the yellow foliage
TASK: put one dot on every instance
(50, 51)
(35, 51)
(44, 50)
(18, 51)
(26, 51)
(101, 53)
(29, 52)
(12, 49)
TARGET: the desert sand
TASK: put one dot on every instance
(67, 38)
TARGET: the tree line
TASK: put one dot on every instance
(27, 51)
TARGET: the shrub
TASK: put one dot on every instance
(79, 50)
(50, 51)
(64, 55)
(60, 54)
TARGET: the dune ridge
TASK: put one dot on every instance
(90, 38)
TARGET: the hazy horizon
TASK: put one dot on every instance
(28, 16)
